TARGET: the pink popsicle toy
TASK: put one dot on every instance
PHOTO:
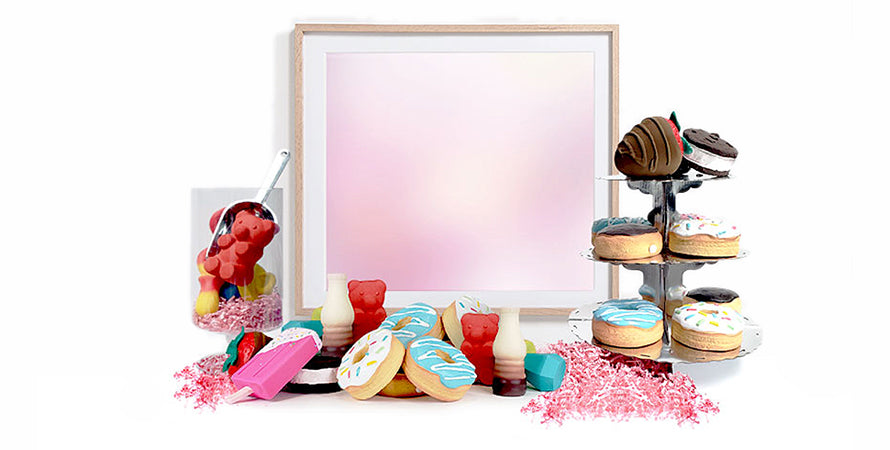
(276, 364)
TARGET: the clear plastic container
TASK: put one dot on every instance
(225, 304)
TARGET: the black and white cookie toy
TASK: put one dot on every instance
(708, 153)
(318, 376)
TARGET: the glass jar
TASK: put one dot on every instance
(234, 289)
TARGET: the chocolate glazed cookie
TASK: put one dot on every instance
(653, 148)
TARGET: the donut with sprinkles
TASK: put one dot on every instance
(707, 326)
(452, 314)
(370, 364)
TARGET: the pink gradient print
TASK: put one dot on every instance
(461, 171)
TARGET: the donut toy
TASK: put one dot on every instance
(695, 235)
(453, 313)
(706, 326)
(400, 387)
(628, 323)
(627, 241)
(715, 295)
(370, 364)
(647, 292)
(601, 224)
(414, 321)
(674, 297)
(438, 369)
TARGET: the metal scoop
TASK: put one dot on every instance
(227, 218)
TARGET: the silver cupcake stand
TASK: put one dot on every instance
(663, 278)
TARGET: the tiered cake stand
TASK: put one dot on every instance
(663, 277)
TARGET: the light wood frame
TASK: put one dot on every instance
(301, 29)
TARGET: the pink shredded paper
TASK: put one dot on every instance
(205, 383)
(261, 314)
(601, 384)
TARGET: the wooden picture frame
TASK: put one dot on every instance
(301, 31)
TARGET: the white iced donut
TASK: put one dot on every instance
(706, 326)
(696, 235)
(370, 364)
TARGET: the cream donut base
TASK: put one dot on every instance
(692, 354)
(674, 304)
(429, 383)
(627, 336)
(703, 340)
(383, 375)
(627, 247)
(400, 387)
(703, 245)
(651, 351)
(452, 326)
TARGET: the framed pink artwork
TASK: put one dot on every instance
(454, 160)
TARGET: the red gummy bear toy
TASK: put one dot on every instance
(367, 303)
(479, 333)
(240, 250)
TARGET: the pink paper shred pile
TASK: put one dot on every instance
(601, 384)
(204, 382)
(262, 314)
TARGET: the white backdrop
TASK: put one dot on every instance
(110, 113)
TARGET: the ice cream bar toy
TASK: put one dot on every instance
(279, 361)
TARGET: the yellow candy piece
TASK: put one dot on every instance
(208, 299)
(207, 303)
(529, 347)
(316, 314)
(263, 283)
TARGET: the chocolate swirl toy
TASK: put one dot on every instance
(653, 148)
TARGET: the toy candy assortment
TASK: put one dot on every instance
(402, 356)
(407, 357)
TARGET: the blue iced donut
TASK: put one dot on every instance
(628, 323)
(438, 369)
(414, 321)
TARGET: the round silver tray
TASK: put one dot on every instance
(666, 258)
(580, 324)
(692, 175)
